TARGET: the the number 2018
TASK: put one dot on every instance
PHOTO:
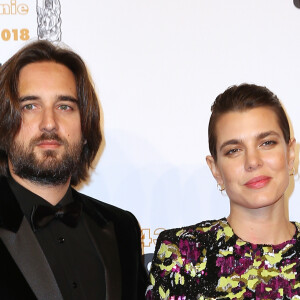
(15, 34)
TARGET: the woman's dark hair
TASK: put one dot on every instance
(10, 113)
(240, 98)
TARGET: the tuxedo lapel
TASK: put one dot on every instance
(18, 238)
(27, 254)
(102, 234)
(104, 239)
(116, 234)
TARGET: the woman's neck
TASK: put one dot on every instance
(261, 226)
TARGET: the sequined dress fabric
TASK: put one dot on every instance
(208, 261)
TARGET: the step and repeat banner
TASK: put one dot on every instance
(157, 66)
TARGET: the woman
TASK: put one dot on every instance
(254, 253)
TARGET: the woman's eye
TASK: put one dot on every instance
(269, 143)
(232, 151)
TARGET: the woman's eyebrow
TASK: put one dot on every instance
(259, 136)
(230, 142)
(266, 134)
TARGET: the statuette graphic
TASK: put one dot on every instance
(49, 20)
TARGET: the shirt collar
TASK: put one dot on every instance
(28, 199)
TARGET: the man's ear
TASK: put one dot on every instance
(214, 170)
(291, 153)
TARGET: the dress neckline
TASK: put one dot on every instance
(277, 246)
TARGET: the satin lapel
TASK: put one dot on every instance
(104, 239)
(25, 250)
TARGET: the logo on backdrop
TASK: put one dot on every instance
(13, 8)
(49, 20)
(149, 237)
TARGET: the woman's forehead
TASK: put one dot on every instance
(246, 124)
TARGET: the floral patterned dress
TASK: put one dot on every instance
(208, 261)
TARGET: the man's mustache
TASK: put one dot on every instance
(47, 136)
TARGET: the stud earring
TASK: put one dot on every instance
(220, 188)
(293, 172)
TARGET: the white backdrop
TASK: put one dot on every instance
(158, 66)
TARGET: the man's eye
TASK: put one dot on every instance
(64, 107)
(29, 106)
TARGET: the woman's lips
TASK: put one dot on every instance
(258, 182)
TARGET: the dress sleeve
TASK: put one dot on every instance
(179, 262)
(166, 280)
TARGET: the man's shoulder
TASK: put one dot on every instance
(108, 211)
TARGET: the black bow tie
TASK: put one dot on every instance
(69, 214)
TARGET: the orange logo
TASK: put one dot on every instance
(12, 8)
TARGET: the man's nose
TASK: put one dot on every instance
(48, 120)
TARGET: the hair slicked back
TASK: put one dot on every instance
(240, 98)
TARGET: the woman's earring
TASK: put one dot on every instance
(220, 188)
(293, 172)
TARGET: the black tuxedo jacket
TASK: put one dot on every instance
(26, 274)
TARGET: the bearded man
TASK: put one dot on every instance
(56, 243)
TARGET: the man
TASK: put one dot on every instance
(56, 243)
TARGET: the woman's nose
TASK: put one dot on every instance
(253, 160)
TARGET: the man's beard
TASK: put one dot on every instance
(49, 169)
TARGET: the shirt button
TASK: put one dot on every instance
(74, 284)
(61, 239)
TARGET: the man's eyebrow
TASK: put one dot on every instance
(60, 97)
(67, 98)
(258, 137)
(28, 98)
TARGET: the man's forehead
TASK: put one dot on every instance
(46, 78)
